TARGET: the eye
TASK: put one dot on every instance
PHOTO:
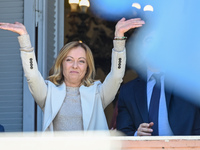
(82, 61)
(68, 59)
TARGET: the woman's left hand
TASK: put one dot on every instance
(124, 25)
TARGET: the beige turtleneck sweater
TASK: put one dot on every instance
(69, 118)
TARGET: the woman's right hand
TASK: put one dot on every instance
(16, 27)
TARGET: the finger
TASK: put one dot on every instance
(138, 20)
(17, 23)
(144, 125)
(3, 24)
(134, 25)
(151, 124)
(123, 19)
(133, 20)
(143, 134)
(145, 129)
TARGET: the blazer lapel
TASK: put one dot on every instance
(58, 96)
(55, 98)
(87, 103)
(141, 99)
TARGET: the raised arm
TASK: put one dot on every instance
(113, 80)
(36, 83)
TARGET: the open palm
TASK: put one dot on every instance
(124, 25)
(16, 27)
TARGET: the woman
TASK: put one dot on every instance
(71, 99)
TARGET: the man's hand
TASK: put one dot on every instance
(145, 129)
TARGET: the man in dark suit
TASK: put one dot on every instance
(177, 116)
(1, 128)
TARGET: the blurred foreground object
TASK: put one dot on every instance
(94, 141)
(170, 41)
(60, 141)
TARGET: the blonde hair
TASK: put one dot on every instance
(56, 72)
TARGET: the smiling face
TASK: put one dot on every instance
(74, 67)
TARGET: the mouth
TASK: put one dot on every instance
(73, 71)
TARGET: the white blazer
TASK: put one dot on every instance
(94, 99)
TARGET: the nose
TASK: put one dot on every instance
(75, 64)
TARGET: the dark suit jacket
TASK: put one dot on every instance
(1, 128)
(183, 116)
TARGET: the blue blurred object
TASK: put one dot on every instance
(112, 9)
(170, 42)
(116, 9)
